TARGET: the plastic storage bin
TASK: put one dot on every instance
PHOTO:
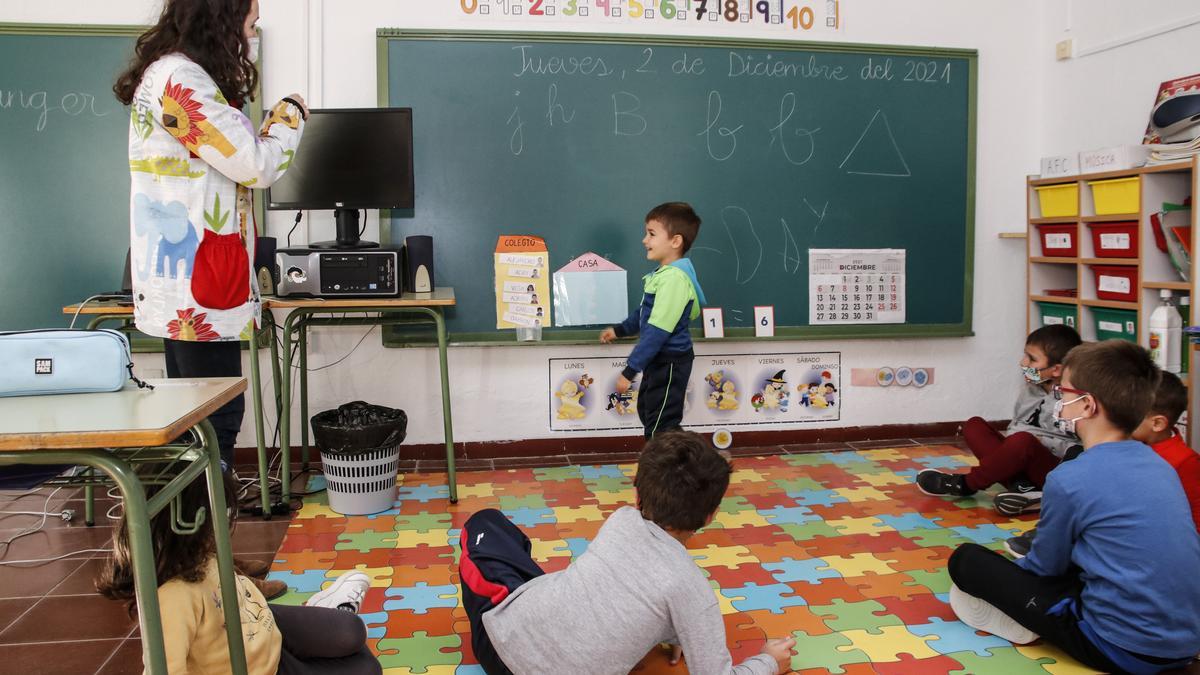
(1119, 195)
(1115, 240)
(1115, 282)
(1058, 201)
(1059, 241)
(1054, 313)
(1120, 324)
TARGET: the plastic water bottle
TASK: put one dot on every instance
(1166, 329)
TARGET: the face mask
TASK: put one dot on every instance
(1032, 375)
(1066, 425)
(252, 49)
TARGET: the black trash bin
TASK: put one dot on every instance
(360, 452)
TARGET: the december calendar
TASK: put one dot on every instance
(848, 286)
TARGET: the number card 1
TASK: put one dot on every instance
(714, 322)
(764, 321)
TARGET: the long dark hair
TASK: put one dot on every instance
(176, 556)
(209, 32)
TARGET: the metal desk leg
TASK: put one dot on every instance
(304, 394)
(89, 499)
(259, 434)
(447, 422)
(225, 573)
(285, 410)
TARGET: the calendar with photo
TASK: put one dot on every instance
(855, 286)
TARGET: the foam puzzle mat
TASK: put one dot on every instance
(839, 549)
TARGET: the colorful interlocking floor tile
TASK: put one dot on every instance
(839, 549)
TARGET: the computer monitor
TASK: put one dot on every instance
(349, 159)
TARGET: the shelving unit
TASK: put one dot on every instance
(1148, 273)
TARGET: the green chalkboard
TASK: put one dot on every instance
(64, 172)
(780, 146)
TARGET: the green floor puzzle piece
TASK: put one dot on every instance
(420, 651)
(936, 582)
(865, 467)
(424, 522)
(511, 502)
(558, 474)
(937, 536)
(817, 528)
(796, 485)
(820, 651)
(808, 459)
(608, 484)
(364, 542)
(1005, 660)
(861, 615)
(736, 504)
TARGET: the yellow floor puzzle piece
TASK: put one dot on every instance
(857, 564)
(747, 476)
(749, 518)
(882, 479)
(412, 538)
(863, 494)
(545, 549)
(887, 645)
(722, 556)
(571, 514)
(865, 525)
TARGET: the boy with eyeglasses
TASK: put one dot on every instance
(1111, 575)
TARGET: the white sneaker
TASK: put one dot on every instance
(346, 592)
(983, 615)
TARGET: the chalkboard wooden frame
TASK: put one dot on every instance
(142, 343)
(401, 336)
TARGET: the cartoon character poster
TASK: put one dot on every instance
(725, 390)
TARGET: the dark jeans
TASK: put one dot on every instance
(212, 359)
(1027, 598)
(661, 393)
(323, 640)
(1004, 458)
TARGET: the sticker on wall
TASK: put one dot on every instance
(900, 376)
(725, 391)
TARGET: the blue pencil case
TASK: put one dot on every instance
(61, 361)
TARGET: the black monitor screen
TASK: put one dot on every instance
(353, 158)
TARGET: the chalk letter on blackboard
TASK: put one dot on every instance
(714, 116)
(636, 126)
(787, 107)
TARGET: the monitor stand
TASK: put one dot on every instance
(347, 232)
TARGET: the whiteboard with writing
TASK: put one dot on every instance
(847, 286)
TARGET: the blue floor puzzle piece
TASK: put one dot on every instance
(817, 498)
(908, 521)
(846, 457)
(376, 624)
(421, 598)
(780, 515)
(424, 493)
(473, 669)
(605, 471)
(983, 534)
(956, 636)
(527, 517)
(577, 545)
(752, 596)
(308, 581)
(809, 571)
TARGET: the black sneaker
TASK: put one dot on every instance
(938, 484)
(1019, 545)
(1016, 503)
(1021, 484)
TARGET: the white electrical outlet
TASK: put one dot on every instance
(1064, 50)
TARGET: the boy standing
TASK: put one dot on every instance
(671, 298)
(1110, 575)
(1033, 445)
(634, 587)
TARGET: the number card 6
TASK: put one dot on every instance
(764, 321)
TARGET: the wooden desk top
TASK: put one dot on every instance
(442, 296)
(130, 417)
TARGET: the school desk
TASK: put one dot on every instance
(105, 311)
(112, 431)
(428, 307)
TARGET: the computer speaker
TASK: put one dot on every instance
(418, 264)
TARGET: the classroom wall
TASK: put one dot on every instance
(326, 50)
(1103, 99)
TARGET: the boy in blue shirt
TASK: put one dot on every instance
(1110, 577)
(671, 298)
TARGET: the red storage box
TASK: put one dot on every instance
(1059, 241)
(1115, 240)
(1116, 282)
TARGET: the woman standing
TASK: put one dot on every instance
(193, 159)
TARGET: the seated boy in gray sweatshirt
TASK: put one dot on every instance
(635, 587)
